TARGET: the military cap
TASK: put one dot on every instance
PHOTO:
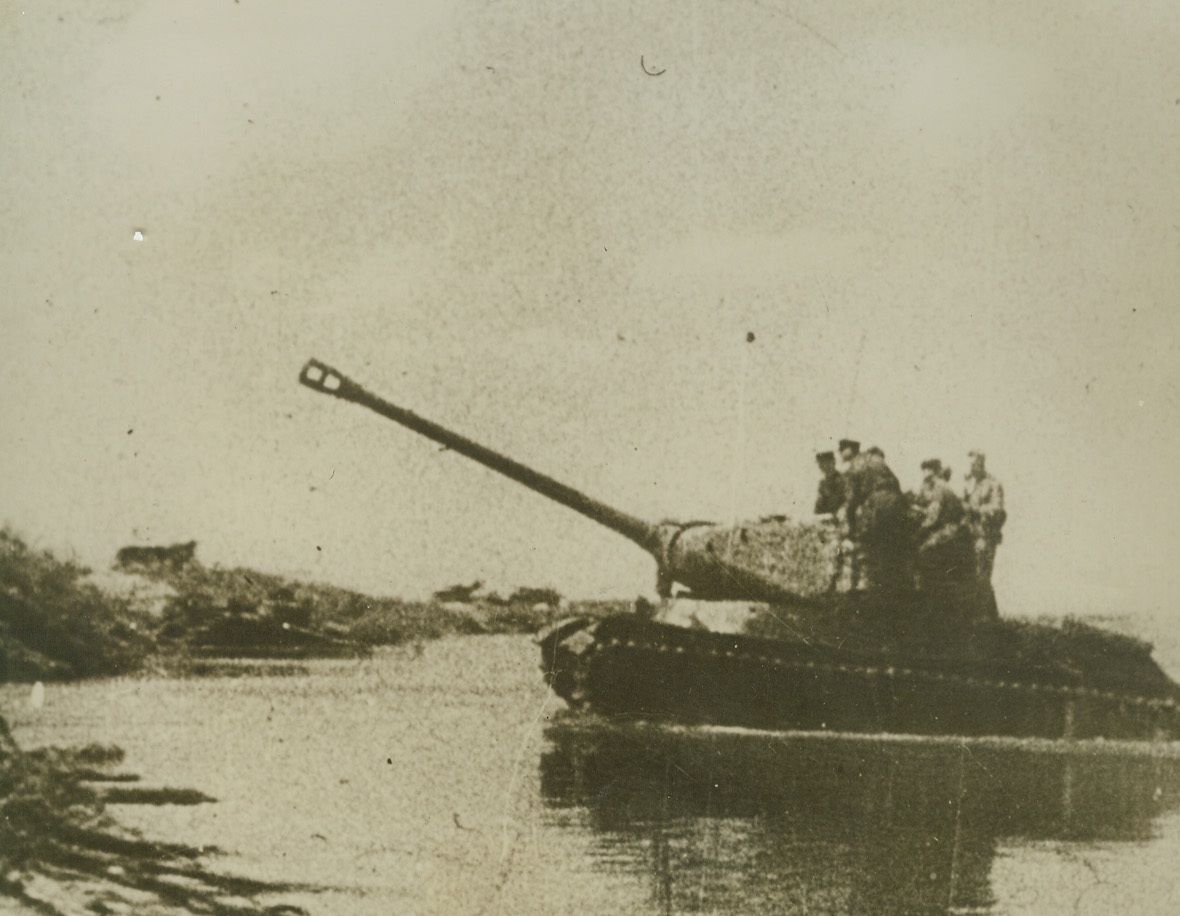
(976, 453)
(875, 450)
(825, 456)
(849, 443)
(932, 464)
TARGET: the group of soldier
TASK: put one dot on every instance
(932, 538)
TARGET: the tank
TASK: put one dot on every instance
(755, 628)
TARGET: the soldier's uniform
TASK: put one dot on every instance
(944, 547)
(877, 521)
(983, 498)
(829, 499)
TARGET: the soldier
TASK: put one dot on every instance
(877, 522)
(983, 499)
(830, 497)
(944, 547)
(829, 500)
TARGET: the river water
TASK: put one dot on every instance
(444, 778)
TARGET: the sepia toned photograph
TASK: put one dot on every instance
(488, 458)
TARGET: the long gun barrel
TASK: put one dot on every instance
(323, 378)
(688, 554)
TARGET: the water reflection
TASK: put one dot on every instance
(748, 822)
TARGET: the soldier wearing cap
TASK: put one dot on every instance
(830, 497)
(877, 522)
(983, 500)
(829, 500)
(944, 548)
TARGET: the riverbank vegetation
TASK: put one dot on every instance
(162, 607)
(55, 624)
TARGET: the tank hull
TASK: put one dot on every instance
(626, 667)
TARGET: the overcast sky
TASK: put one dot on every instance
(944, 227)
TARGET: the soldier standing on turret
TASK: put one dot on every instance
(877, 522)
(829, 499)
(983, 499)
(944, 546)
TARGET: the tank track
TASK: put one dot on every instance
(628, 667)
